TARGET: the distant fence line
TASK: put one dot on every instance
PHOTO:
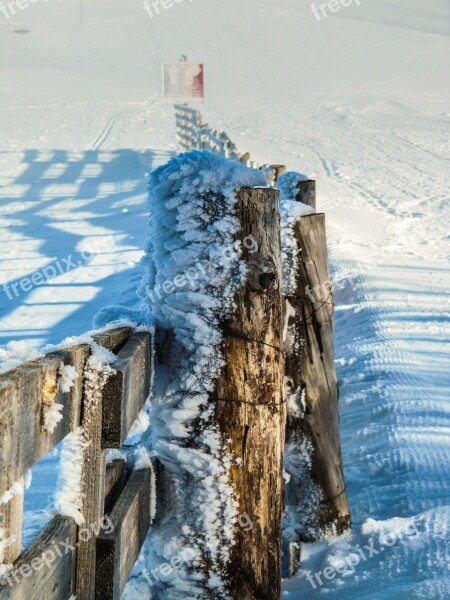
(193, 134)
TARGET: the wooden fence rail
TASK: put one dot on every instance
(251, 411)
(67, 559)
(193, 134)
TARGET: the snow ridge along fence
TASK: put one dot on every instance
(87, 559)
(193, 134)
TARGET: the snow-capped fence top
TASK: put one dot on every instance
(193, 134)
(88, 395)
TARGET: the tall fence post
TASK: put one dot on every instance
(250, 408)
(311, 377)
(93, 478)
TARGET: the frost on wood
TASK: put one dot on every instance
(193, 270)
(53, 411)
(143, 461)
(17, 488)
(300, 518)
(16, 352)
(67, 377)
(114, 454)
(291, 212)
(68, 498)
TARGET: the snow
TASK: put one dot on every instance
(115, 454)
(68, 494)
(291, 212)
(53, 413)
(67, 376)
(14, 353)
(142, 460)
(301, 518)
(359, 102)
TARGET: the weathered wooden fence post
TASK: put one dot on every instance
(311, 377)
(93, 479)
(307, 192)
(251, 410)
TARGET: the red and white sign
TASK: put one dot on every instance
(183, 83)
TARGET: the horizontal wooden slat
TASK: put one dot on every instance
(46, 570)
(187, 136)
(114, 339)
(186, 126)
(25, 394)
(114, 480)
(114, 471)
(127, 389)
(118, 550)
(11, 518)
(186, 109)
(189, 139)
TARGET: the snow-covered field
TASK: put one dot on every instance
(358, 101)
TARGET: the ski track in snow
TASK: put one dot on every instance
(357, 102)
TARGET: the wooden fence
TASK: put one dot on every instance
(90, 566)
(193, 134)
(250, 411)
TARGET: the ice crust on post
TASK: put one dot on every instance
(192, 272)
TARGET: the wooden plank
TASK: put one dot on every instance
(114, 482)
(307, 192)
(278, 171)
(189, 129)
(113, 339)
(11, 518)
(127, 389)
(93, 480)
(46, 570)
(25, 396)
(250, 406)
(118, 550)
(93, 475)
(187, 138)
(186, 109)
(311, 374)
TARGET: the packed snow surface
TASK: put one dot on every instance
(358, 101)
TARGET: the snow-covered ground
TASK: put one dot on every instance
(358, 101)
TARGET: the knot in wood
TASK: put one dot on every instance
(262, 273)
